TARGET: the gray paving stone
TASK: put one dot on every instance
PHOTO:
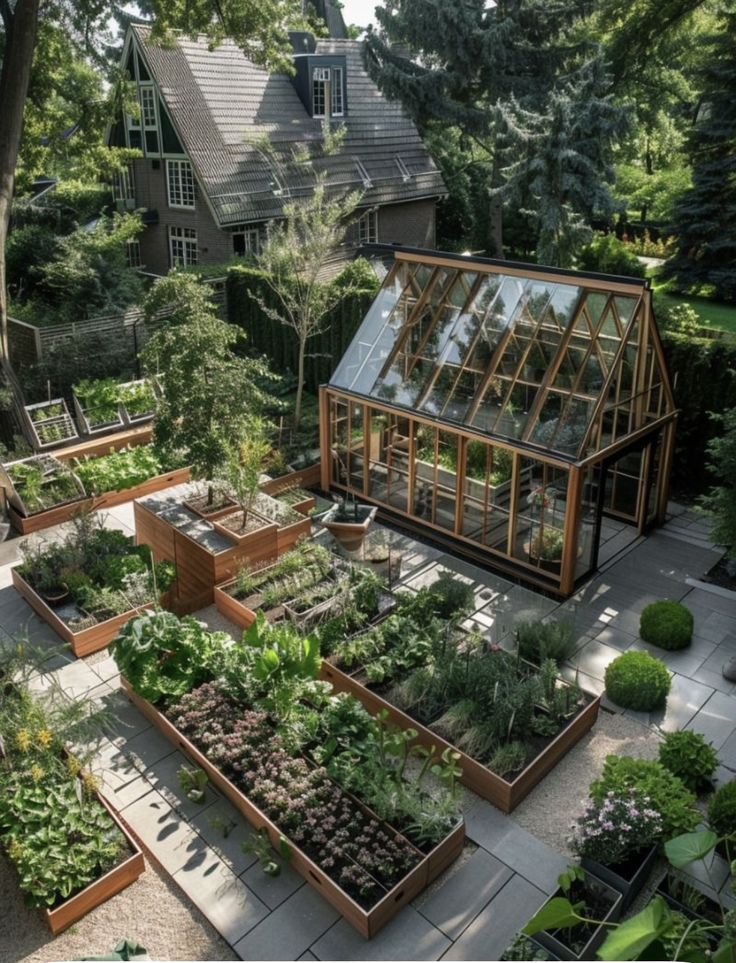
(685, 699)
(408, 936)
(614, 636)
(209, 824)
(223, 898)
(493, 929)
(146, 749)
(727, 752)
(514, 846)
(126, 722)
(594, 657)
(164, 777)
(290, 930)
(308, 956)
(714, 679)
(460, 898)
(273, 890)
(162, 830)
(716, 720)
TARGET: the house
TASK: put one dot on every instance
(223, 143)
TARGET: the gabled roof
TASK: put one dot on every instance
(549, 359)
(221, 104)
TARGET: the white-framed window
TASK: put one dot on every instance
(338, 108)
(247, 242)
(133, 253)
(148, 108)
(320, 79)
(123, 188)
(182, 246)
(180, 178)
(368, 227)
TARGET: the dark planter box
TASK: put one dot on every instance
(553, 942)
(709, 910)
(628, 877)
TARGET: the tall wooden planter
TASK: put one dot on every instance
(505, 795)
(367, 922)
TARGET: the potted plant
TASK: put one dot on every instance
(348, 522)
(574, 922)
(616, 840)
(244, 465)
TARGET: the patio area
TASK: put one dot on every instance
(510, 863)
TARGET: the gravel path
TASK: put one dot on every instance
(550, 808)
(152, 911)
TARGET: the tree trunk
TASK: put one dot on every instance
(495, 213)
(20, 42)
(300, 383)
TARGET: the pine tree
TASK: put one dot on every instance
(564, 161)
(454, 64)
(705, 218)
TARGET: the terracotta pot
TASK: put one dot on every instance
(350, 534)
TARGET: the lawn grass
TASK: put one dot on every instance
(713, 314)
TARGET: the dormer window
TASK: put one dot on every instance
(149, 119)
(321, 77)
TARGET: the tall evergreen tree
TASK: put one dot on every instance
(454, 64)
(705, 217)
(564, 161)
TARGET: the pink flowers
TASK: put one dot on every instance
(620, 826)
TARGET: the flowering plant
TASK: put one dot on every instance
(619, 826)
(542, 496)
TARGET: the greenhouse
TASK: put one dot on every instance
(505, 407)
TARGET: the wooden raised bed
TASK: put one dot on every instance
(84, 642)
(505, 795)
(113, 882)
(26, 524)
(302, 478)
(366, 922)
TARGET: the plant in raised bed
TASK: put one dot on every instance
(99, 401)
(689, 756)
(138, 398)
(722, 813)
(538, 640)
(667, 624)
(617, 840)
(51, 422)
(52, 827)
(667, 794)
(244, 465)
(43, 482)
(636, 680)
(118, 470)
(101, 570)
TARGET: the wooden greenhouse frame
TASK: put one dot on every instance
(504, 409)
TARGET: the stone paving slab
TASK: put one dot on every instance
(290, 930)
(495, 927)
(225, 831)
(716, 720)
(409, 936)
(273, 890)
(161, 830)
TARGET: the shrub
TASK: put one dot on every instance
(611, 831)
(450, 597)
(666, 793)
(539, 641)
(636, 680)
(722, 809)
(608, 255)
(667, 624)
(689, 756)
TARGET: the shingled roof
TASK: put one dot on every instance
(223, 107)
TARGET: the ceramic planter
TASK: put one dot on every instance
(628, 877)
(350, 533)
(554, 940)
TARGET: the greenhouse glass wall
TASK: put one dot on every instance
(505, 409)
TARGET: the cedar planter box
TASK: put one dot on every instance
(232, 608)
(551, 941)
(113, 882)
(301, 478)
(366, 922)
(34, 522)
(505, 795)
(289, 535)
(84, 642)
(628, 878)
(266, 531)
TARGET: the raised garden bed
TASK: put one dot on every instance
(41, 486)
(293, 478)
(137, 401)
(50, 424)
(367, 921)
(628, 877)
(97, 406)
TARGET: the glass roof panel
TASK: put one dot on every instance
(515, 357)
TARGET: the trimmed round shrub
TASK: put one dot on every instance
(667, 624)
(688, 756)
(722, 809)
(636, 680)
(663, 790)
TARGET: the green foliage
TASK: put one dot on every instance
(40, 489)
(209, 388)
(667, 794)
(259, 845)
(689, 756)
(680, 318)
(30, 247)
(450, 597)
(99, 399)
(119, 470)
(689, 847)
(607, 255)
(667, 624)
(194, 783)
(539, 640)
(164, 657)
(245, 462)
(722, 809)
(246, 287)
(636, 680)
(720, 503)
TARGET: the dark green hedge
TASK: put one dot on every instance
(704, 371)
(278, 342)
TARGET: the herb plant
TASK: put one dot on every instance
(686, 754)
(118, 470)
